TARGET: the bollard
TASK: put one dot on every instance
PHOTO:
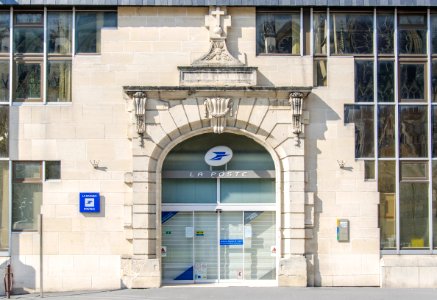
(8, 281)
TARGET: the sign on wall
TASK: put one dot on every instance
(89, 202)
(218, 156)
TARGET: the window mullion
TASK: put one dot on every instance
(44, 68)
(375, 96)
(429, 96)
(396, 83)
(301, 32)
(11, 54)
(328, 34)
(311, 32)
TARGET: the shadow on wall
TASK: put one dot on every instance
(321, 114)
(23, 268)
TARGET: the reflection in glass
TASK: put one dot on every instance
(28, 33)
(414, 170)
(363, 81)
(412, 34)
(369, 169)
(189, 190)
(385, 31)
(278, 33)
(4, 205)
(386, 87)
(26, 203)
(319, 29)
(247, 191)
(321, 72)
(386, 131)
(434, 202)
(434, 131)
(434, 81)
(433, 30)
(414, 215)
(351, 33)
(362, 116)
(52, 170)
(4, 32)
(4, 131)
(387, 205)
(59, 32)
(413, 131)
(27, 170)
(87, 33)
(4, 80)
(412, 82)
(59, 81)
(28, 81)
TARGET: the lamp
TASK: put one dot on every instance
(140, 111)
(296, 102)
(95, 163)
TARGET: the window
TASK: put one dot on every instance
(386, 81)
(413, 132)
(26, 195)
(412, 82)
(363, 81)
(88, 29)
(320, 72)
(4, 206)
(362, 117)
(278, 33)
(4, 131)
(386, 131)
(412, 34)
(320, 43)
(351, 33)
(52, 170)
(385, 31)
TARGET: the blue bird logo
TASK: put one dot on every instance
(219, 155)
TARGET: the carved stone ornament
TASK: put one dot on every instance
(296, 102)
(218, 55)
(217, 110)
(140, 111)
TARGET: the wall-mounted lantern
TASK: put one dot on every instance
(140, 111)
(296, 102)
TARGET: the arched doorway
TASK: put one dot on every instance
(218, 221)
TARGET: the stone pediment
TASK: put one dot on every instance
(218, 67)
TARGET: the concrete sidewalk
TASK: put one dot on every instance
(244, 293)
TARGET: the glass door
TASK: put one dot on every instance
(205, 247)
(231, 246)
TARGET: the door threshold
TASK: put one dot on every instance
(251, 283)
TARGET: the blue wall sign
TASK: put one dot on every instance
(89, 202)
(231, 242)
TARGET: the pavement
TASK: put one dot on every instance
(206, 292)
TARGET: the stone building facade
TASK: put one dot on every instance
(159, 76)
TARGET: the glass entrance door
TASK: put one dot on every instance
(230, 246)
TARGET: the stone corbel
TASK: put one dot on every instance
(296, 102)
(217, 110)
(140, 101)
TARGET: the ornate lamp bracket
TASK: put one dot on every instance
(217, 110)
(296, 102)
(140, 101)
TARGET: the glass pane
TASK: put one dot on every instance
(434, 202)
(189, 191)
(4, 32)
(434, 131)
(4, 131)
(110, 19)
(59, 81)
(320, 73)
(412, 34)
(4, 81)
(231, 245)
(26, 203)
(351, 34)
(369, 169)
(53, 170)
(28, 39)
(434, 81)
(4, 205)
(247, 191)
(177, 246)
(385, 24)
(278, 33)
(87, 33)
(205, 245)
(259, 240)
(362, 116)
(251, 161)
(386, 83)
(28, 81)
(414, 215)
(387, 203)
(412, 82)
(28, 18)
(386, 131)
(27, 170)
(414, 171)
(59, 32)
(320, 29)
(413, 131)
(434, 33)
(363, 81)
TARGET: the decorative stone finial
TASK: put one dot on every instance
(217, 110)
(218, 55)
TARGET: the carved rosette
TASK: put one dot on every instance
(296, 102)
(218, 55)
(217, 110)
(140, 100)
